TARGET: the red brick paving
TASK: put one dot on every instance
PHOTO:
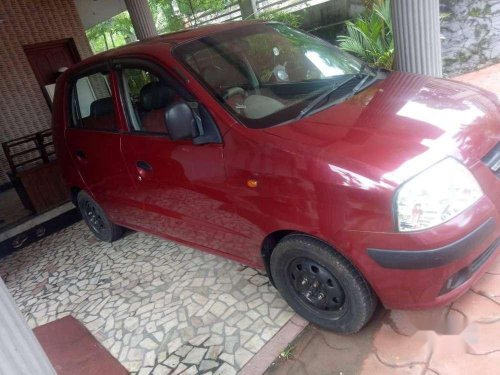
(321, 352)
(462, 338)
(488, 78)
(73, 350)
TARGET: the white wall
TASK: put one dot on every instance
(93, 12)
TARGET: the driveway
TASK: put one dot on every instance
(157, 306)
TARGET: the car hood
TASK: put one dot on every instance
(400, 126)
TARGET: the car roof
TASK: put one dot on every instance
(201, 31)
(174, 38)
(169, 40)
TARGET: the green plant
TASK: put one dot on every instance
(192, 7)
(111, 33)
(370, 37)
(290, 19)
(164, 16)
(368, 4)
(118, 30)
(287, 353)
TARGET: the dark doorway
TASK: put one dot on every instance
(46, 59)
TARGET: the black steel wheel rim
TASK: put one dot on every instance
(93, 217)
(316, 286)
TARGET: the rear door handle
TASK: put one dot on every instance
(80, 155)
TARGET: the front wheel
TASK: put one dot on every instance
(96, 219)
(321, 285)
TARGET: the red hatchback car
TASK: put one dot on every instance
(273, 148)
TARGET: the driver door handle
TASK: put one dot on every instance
(141, 164)
(80, 155)
(143, 168)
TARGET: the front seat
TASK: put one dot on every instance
(154, 98)
(101, 115)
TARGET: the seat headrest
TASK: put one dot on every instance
(155, 95)
(101, 107)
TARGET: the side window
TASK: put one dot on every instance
(146, 98)
(92, 103)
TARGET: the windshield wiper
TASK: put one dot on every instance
(323, 96)
(364, 65)
(367, 70)
(362, 84)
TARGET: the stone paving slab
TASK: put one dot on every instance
(157, 306)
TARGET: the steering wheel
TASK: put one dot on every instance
(233, 91)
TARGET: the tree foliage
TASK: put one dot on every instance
(119, 30)
(291, 19)
(370, 36)
(192, 7)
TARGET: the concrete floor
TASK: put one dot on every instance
(157, 306)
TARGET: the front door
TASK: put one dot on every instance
(93, 140)
(181, 185)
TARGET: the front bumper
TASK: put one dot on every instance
(432, 258)
(434, 267)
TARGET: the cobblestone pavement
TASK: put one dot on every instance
(157, 306)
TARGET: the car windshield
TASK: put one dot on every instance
(267, 74)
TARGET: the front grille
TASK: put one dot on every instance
(492, 160)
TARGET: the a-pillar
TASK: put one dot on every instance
(417, 36)
(142, 18)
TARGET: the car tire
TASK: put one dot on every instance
(96, 219)
(321, 285)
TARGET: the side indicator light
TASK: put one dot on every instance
(252, 183)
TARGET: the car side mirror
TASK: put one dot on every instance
(180, 122)
(183, 122)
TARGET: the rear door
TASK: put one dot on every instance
(93, 140)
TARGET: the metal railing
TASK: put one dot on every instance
(233, 13)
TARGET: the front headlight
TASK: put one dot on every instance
(435, 196)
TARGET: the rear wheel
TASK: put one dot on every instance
(321, 285)
(96, 219)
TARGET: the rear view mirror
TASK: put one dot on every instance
(180, 122)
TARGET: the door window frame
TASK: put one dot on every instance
(118, 64)
(103, 67)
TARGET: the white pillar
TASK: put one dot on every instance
(417, 36)
(20, 351)
(142, 18)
